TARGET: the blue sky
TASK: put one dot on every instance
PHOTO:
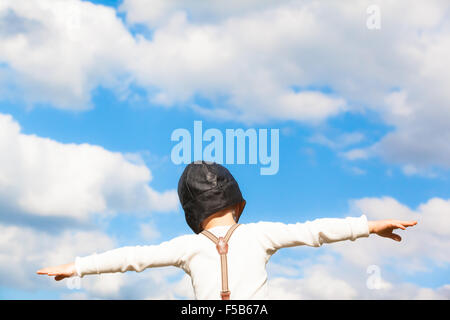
(103, 99)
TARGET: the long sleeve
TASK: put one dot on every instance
(275, 235)
(136, 258)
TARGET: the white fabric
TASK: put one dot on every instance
(250, 248)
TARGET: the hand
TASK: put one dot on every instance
(384, 228)
(60, 272)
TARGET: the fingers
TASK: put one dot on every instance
(47, 272)
(58, 276)
(399, 226)
(403, 224)
(43, 271)
(408, 223)
(395, 237)
(385, 228)
(51, 272)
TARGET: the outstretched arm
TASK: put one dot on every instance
(275, 235)
(138, 258)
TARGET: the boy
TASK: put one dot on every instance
(224, 259)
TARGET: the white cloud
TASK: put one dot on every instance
(245, 57)
(345, 270)
(356, 154)
(285, 44)
(410, 170)
(24, 250)
(423, 247)
(182, 60)
(158, 283)
(341, 280)
(156, 12)
(148, 231)
(317, 284)
(358, 171)
(40, 176)
(103, 286)
(60, 50)
(218, 59)
(338, 141)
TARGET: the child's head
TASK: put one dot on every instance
(206, 188)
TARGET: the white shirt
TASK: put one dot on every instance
(250, 248)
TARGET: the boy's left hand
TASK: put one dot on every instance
(384, 228)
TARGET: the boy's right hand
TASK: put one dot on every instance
(59, 272)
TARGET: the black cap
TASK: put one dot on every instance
(205, 188)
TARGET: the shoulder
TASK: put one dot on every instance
(265, 234)
(184, 240)
(262, 228)
(262, 225)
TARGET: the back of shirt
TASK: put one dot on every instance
(247, 277)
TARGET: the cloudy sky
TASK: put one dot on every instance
(91, 91)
